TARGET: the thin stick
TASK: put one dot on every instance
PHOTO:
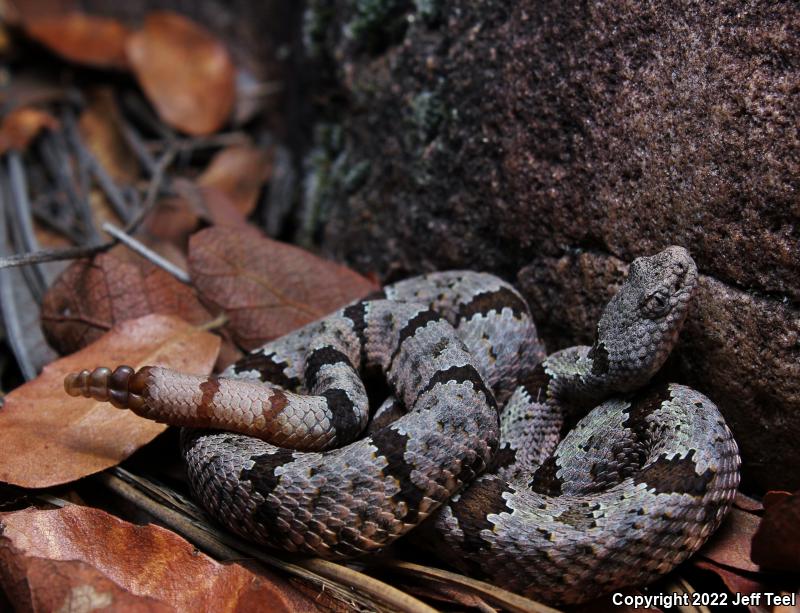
(503, 598)
(382, 591)
(50, 220)
(157, 181)
(55, 157)
(104, 180)
(18, 185)
(187, 145)
(225, 546)
(10, 313)
(13, 326)
(147, 253)
(136, 143)
(214, 324)
(138, 107)
(70, 137)
(20, 209)
(53, 500)
(53, 255)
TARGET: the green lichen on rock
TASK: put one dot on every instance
(373, 24)
(317, 18)
(377, 24)
(426, 135)
(429, 10)
(356, 176)
(329, 176)
(428, 112)
(317, 183)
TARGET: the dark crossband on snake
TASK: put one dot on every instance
(282, 449)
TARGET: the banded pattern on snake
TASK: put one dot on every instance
(634, 489)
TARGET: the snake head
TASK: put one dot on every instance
(640, 324)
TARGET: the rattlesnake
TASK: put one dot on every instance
(634, 489)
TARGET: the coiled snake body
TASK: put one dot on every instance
(634, 489)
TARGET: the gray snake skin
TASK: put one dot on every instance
(631, 491)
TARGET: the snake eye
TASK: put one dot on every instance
(656, 304)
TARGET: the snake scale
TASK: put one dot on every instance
(631, 491)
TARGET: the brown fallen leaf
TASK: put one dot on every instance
(48, 438)
(776, 544)
(100, 127)
(239, 172)
(208, 202)
(16, 12)
(172, 221)
(185, 72)
(105, 558)
(775, 496)
(736, 582)
(746, 503)
(267, 288)
(730, 545)
(82, 38)
(39, 584)
(22, 126)
(90, 296)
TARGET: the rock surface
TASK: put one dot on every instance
(565, 138)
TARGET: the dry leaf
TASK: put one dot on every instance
(90, 296)
(773, 497)
(776, 544)
(745, 503)
(48, 438)
(119, 560)
(210, 203)
(16, 12)
(86, 39)
(21, 127)
(39, 584)
(265, 287)
(735, 582)
(730, 545)
(239, 172)
(100, 127)
(185, 71)
(172, 221)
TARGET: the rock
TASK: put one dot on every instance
(494, 134)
